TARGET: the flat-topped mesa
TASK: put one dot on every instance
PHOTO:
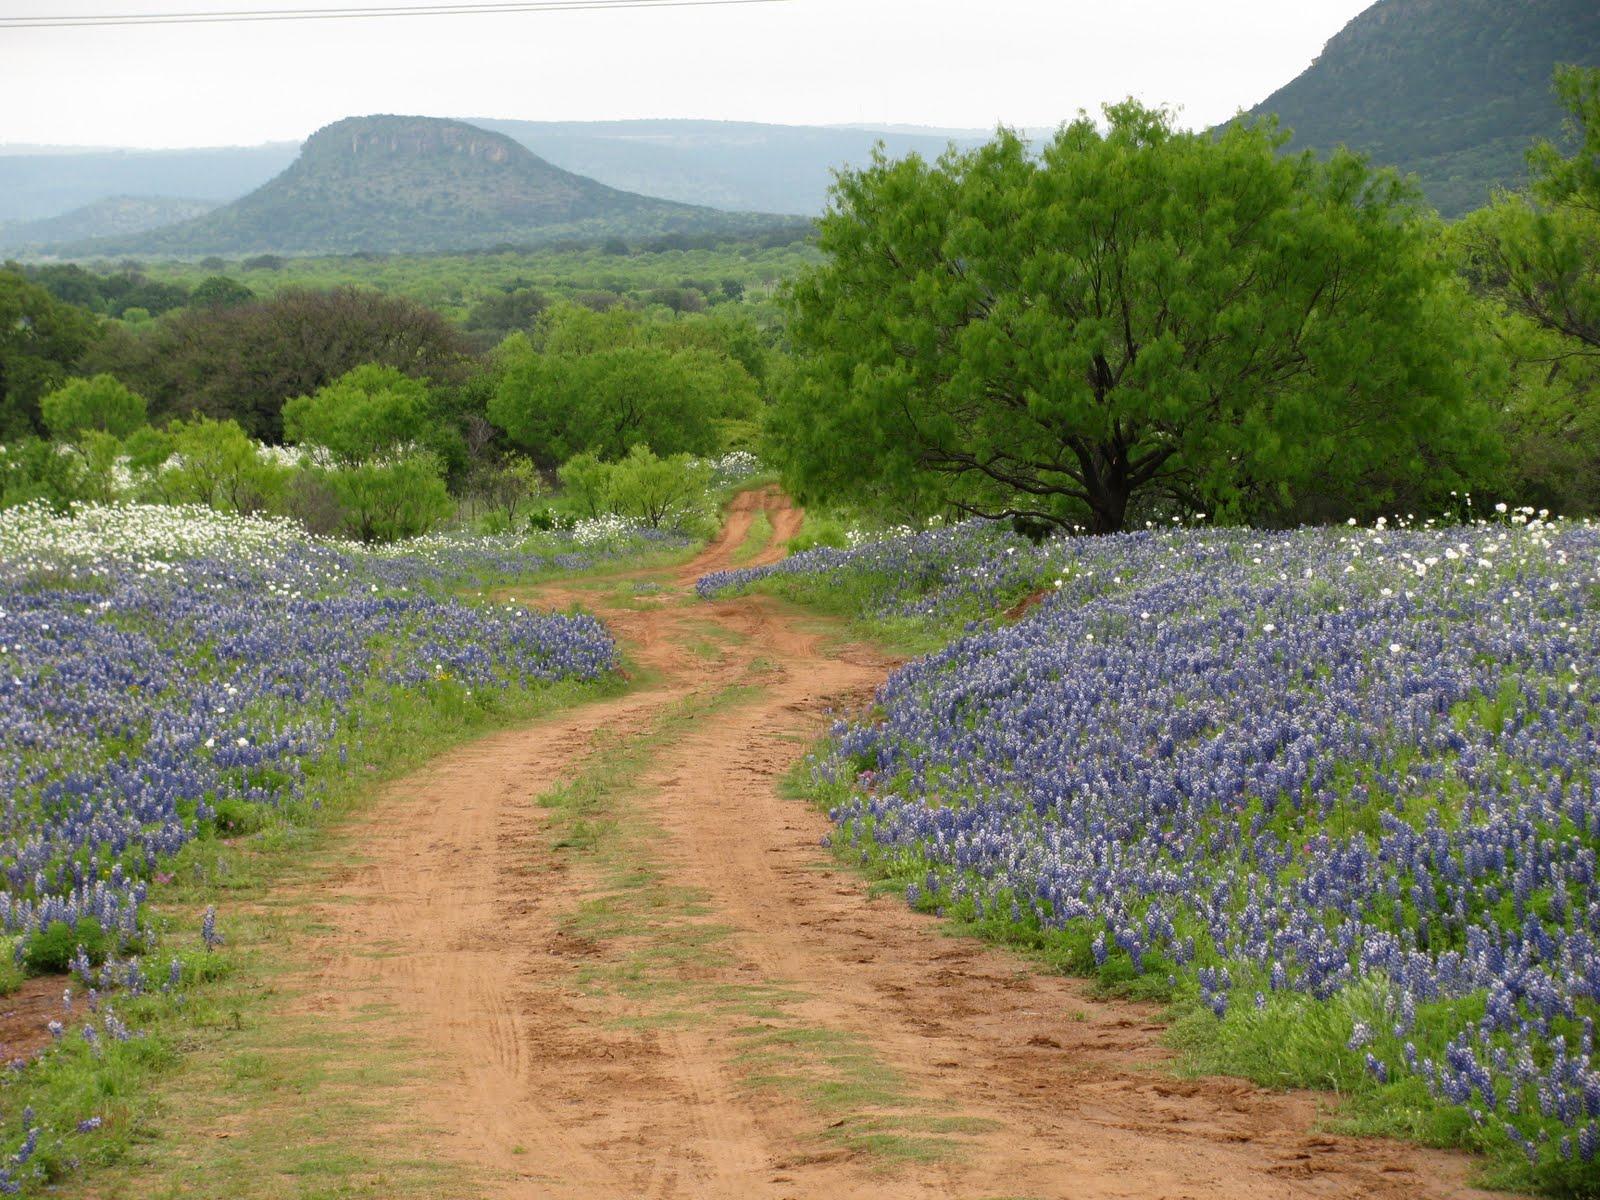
(386, 136)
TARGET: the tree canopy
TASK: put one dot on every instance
(242, 361)
(40, 340)
(1534, 256)
(1134, 316)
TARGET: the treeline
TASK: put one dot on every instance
(390, 418)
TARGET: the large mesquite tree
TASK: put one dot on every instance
(1135, 313)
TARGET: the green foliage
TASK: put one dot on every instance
(54, 949)
(219, 465)
(387, 501)
(100, 403)
(98, 454)
(585, 484)
(1136, 321)
(242, 361)
(1535, 258)
(34, 469)
(505, 486)
(657, 491)
(219, 291)
(40, 340)
(120, 293)
(456, 284)
(368, 413)
(604, 382)
(671, 491)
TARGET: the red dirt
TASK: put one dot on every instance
(26, 1013)
(455, 921)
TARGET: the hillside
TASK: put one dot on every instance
(113, 216)
(392, 183)
(735, 165)
(1451, 90)
(48, 181)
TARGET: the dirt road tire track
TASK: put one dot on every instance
(456, 922)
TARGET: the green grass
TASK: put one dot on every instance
(756, 539)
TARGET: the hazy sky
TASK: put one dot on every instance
(957, 63)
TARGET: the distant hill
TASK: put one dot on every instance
(1450, 90)
(416, 184)
(115, 215)
(739, 166)
(736, 165)
(47, 181)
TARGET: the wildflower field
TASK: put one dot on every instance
(1332, 793)
(168, 674)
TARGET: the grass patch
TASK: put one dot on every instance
(756, 539)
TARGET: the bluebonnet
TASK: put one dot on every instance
(1333, 762)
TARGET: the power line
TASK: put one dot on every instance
(90, 21)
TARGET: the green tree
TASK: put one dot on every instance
(559, 405)
(368, 413)
(1139, 317)
(34, 469)
(242, 361)
(100, 403)
(658, 491)
(1534, 258)
(218, 464)
(585, 484)
(40, 341)
(1538, 252)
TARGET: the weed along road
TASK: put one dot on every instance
(630, 968)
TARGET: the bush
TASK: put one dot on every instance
(387, 501)
(54, 949)
(654, 491)
(368, 413)
(34, 469)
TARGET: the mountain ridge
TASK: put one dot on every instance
(1453, 91)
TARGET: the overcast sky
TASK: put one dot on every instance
(951, 63)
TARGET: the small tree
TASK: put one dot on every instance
(655, 490)
(384, 502)
(1534, 258)
(101, 403)
(586, 484)
(220, 466)
(220, 291)
(513, 482)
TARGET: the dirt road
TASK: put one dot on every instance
(642, 975)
